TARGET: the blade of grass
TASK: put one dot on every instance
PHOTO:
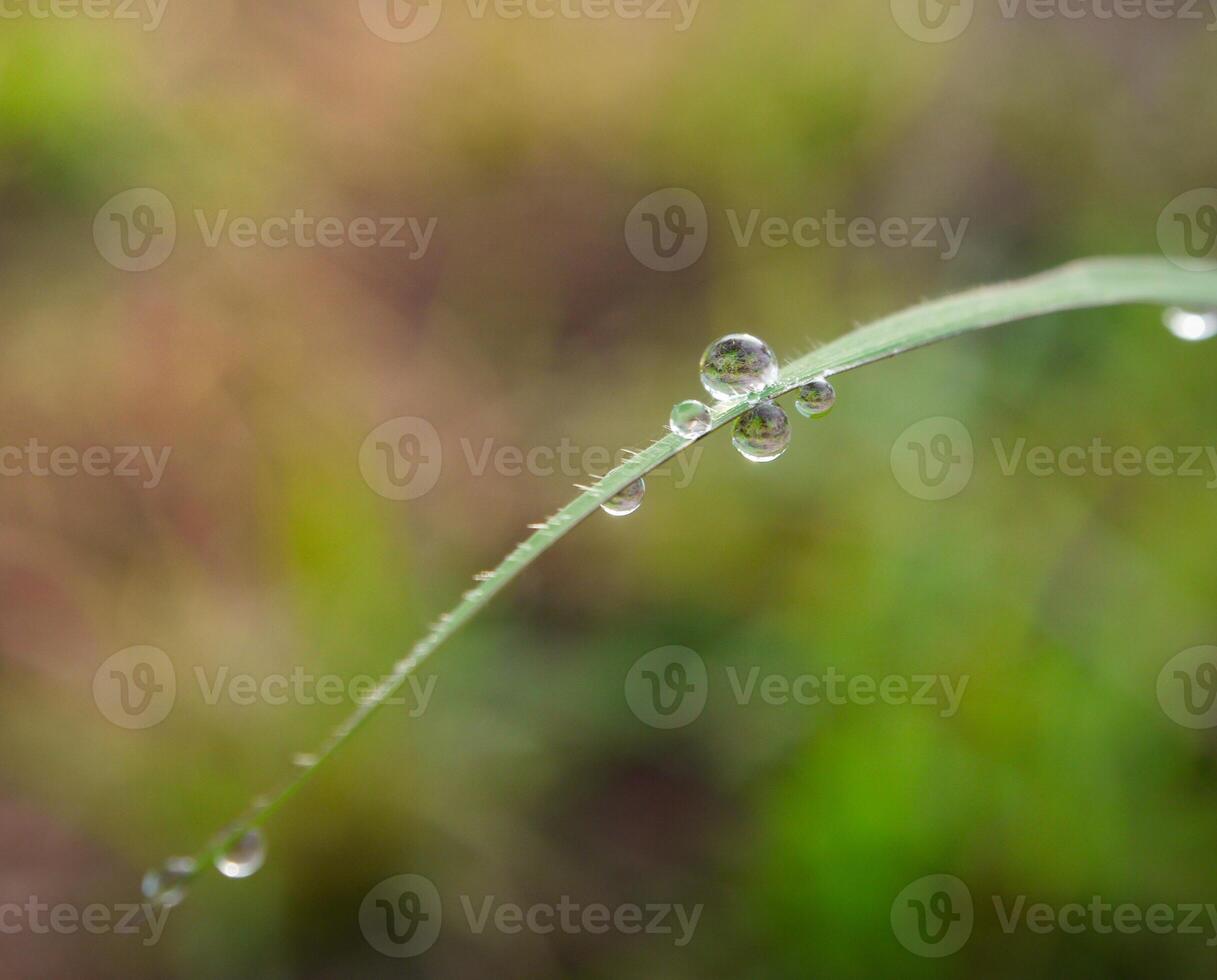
(1087, 283)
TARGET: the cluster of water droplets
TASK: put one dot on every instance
(738, 365)
(742, 365)
(167, 885)
(240, 857)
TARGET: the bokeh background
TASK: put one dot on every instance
(528, 322)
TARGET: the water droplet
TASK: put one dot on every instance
(625, 501)
(816, 398)
(690, 419)
(737, 365)
(305, 760)
(1191, 324)
(167, 886)
(243, 856)
(762, 433)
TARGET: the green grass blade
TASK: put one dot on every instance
(1089, 283)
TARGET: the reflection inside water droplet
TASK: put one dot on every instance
(738, 364)
(244, 856)
(762, 433)
(625, 501)
(816, 398)
(690, 419)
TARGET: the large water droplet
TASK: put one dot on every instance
(625, 501)
(737, 364)
(1191, 324)
(243, 856)
(305, 760)
(762, 433)
(166, 886)
(816, 398)
(690, 419)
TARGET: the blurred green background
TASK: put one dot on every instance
(528, 322)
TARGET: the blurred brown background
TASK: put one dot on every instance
(526, 321)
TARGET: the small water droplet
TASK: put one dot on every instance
(816, 398)
(305, 760)
(690, 419)
(166, 886)
(625, 501)
(762, 433)
(737, 365)
(1191, 324)
(243, 856)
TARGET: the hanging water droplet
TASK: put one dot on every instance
(690, 419)
(166, 886)
(816, 398)
(1191, 324)
(737, 365)
(762, 433)
(243, 856)
(625, 501)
